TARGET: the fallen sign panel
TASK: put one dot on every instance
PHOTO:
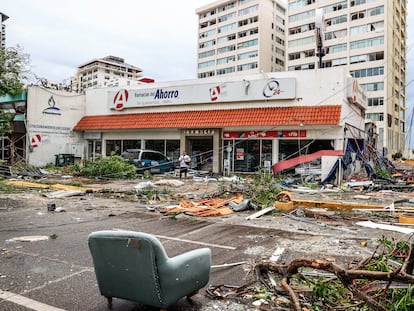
(373, 225)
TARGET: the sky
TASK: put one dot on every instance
(158, 36)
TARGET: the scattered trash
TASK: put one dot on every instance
(145, 185)
(261, 213)
(51, 207)
(29, 238)
(63, 194)
(373, 225)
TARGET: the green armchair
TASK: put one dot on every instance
(134, 266)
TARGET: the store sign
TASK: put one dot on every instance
(198, 132)
(92, 135)
(355, 94)
(201, 93)
(265, 134)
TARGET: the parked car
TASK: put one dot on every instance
(149, 160)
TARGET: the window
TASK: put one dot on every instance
(206, 54)
(335, 7)
(227, 17)
(370, 87)
(367, 57)
(227, 27)
(226, 38)
(207, 33)
(247, 55)
(226, 60)
(336, 20)
(226, 49)
(225, 70)
(367, 43)
(301, 42)
(249, 10)
(336, 48)
(367, 72)
(206, 74)
(375, 101)
(247, 44)
(248, 21)
(207, 44)
(206, 64)
(247, 66)
(301, 16)
(335, 34)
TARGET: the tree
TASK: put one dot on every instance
(13, 70)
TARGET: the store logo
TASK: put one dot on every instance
(36, 140)
(120, 99)
(52, 109)
(215, 93)
(271, 88)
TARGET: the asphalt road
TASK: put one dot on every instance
(57, 273)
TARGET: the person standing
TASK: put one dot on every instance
(184, 161)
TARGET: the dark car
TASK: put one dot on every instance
(149, 160)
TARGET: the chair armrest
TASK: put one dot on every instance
(185, 273)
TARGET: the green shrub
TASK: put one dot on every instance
(108, 167)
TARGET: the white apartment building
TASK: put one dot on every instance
(368, 37)
(3, 17)
(110, 71)
(241, 37)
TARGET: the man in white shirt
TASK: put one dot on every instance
(184, 161)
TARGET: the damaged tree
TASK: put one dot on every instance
(382, 282)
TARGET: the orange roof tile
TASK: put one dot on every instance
(309, 115)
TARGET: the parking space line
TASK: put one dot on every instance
(189, 241)
(196, 242)
(26, 302)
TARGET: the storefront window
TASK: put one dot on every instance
(247, 155)
(94, 149)
(113, 147)
(155, 144)
(266, 156)
(173, 149)
(131, 144)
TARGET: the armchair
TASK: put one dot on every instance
(134, 266)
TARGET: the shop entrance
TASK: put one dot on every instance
(201, 151)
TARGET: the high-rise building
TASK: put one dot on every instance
(3, 17)
(105, 72)
(241, 37)
(367, 36)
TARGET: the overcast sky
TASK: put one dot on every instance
(158, 36)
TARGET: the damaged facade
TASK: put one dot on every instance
(227, 124)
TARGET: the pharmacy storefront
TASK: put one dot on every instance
(231, 124)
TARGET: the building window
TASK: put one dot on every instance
(375, 101)
(367, 72)
(206, 64)
(247, 55)
(249, 10)
(226, 49)
(225, 71)
(366, 57)
(367, 43)
(227, 27)
(247, 66)
(206, 54)
(226, 60)
(371, 87)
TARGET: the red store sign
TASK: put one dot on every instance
(263, 134)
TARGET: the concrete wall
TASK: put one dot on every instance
(51, 116)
